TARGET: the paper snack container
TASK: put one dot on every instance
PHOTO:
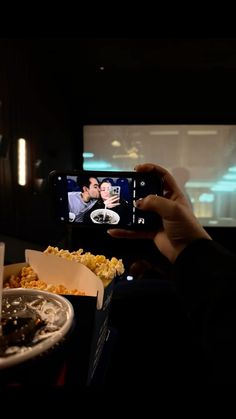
(86, 341)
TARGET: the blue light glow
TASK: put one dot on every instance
(206, 197)
(97, 165)
(88, 155)
(100, 165)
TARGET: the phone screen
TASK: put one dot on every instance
(105, 198)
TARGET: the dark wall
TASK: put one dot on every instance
(50, 89)
(34, 109)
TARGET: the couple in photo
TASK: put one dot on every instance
(95, 196)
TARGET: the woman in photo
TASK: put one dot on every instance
(110, 199)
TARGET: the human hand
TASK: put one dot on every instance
(111, 202)
(179, 225)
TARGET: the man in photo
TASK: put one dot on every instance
(82, 201)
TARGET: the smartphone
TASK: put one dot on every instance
(104, 199)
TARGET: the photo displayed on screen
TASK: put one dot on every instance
(202, 159)
(93, 199)
(96, 200)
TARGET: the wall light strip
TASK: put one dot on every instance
(201, 132)
(164, 132)
(22, 162)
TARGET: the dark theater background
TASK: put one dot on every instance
(51, 86)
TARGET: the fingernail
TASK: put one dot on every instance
(138, 202)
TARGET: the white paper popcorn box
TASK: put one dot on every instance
(73, 275)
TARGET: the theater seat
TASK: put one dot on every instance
(72, 185)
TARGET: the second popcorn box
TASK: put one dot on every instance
(87, 281)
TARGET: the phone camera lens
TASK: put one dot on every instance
(142, 183)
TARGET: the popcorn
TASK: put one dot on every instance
(104, 268)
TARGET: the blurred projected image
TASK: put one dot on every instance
(201, 157)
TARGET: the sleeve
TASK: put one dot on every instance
(205, 276)
(203, 266)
